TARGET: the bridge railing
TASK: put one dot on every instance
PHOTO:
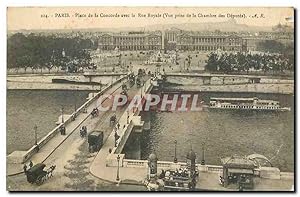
(135, 163)
(169, 164)
(213, 168)
(54, 132)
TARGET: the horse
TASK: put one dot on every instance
(112, 120)
(50, 171)
(95, 112)
(83, 131)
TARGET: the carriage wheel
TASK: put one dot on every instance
(40, 179)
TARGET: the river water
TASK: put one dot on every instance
(25, 108)
(224, 132)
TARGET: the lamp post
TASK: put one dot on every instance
(118, 170)
(128, 116)
(93, 89)
(75, 104)
(62, 114)
(142, 90)
(100, 84)
(175, 157)
(203, 155)
(35, 134)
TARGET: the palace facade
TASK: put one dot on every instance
(203, 41)
(132, 41)
(177, 39)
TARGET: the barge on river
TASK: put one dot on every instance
(246, 104)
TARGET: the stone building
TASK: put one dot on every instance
(177, 39)
(202, 41)
(131, 41)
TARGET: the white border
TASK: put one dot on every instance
(207, 3)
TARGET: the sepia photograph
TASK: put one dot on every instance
(150, 99)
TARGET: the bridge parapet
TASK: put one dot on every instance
(133, 163)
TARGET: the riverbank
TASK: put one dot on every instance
(45, 82)
(48, 86)
(287, 88)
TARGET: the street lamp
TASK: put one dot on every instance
(75, 104)
(128, 116)
(93, 89)
(35, 134)
(175, 157)
(62, 114)
(203, 155)
(118, 170)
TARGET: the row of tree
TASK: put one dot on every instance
(39, 52)
(237, 62)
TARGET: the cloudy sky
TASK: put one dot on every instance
(35, 17)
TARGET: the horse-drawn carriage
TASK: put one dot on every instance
(38, 175)
(139, 82)
(83, 131)
(124, 87)
(95, 113)
(131, 78)
(113, 120)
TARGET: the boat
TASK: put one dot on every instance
(246, 104)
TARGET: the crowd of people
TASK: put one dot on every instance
(237, 62)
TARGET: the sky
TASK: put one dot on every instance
(20, 18)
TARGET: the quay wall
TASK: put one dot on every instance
(72, 82)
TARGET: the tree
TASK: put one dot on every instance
(212, 62)
(271, 46)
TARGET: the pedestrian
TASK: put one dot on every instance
(118, 125)
(30, 164)
(84, 109)
(25, 168)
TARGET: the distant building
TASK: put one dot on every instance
(131, 41)
(202, 41)
(177, 39)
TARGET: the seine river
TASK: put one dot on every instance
(225, 133)
(25, 108)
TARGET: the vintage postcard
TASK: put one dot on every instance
(150, 99)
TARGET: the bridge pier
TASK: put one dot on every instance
(147, 121)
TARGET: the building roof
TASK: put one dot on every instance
(132, 34)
